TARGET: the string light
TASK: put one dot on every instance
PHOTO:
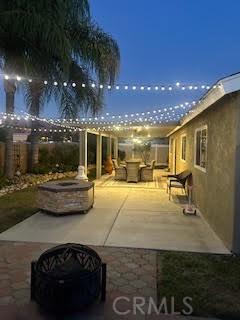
(158, 117)
(169, 87)
(113, 116)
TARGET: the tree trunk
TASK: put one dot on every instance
(9, 154)
(10, 89)
(34, 151)
(36, 91)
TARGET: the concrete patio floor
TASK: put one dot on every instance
(123, 217)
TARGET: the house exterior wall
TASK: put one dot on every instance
(215, 191)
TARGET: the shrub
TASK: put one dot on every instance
(4, 182)
(121, 154)
(62, 158)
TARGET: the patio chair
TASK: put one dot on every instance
(120, 171)
(178, 181)
(147, 173)
(133, 172)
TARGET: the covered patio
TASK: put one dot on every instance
(133, 217)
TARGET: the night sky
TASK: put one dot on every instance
(163, 42)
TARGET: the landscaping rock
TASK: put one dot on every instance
(29, 180)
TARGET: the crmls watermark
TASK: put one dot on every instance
(147, 306)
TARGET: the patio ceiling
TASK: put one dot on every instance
(145, 131)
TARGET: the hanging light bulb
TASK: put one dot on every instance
(19, 78)
(6, 77)
(64, 84)
(74, 84)
(45, 82)
(55, 83)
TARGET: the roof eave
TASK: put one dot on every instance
(220, 89)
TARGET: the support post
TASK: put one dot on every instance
(99, 156)
(82, 168)
(109, 147)
(116, 148)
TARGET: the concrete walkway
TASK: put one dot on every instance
(123, 217)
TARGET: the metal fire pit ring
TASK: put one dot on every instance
(67, 278)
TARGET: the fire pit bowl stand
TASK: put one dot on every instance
(68, 278)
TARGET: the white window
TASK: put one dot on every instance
(201, 148)
(183, 147)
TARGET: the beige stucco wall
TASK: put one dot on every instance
(215, 190)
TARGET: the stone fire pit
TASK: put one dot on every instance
(66, 197)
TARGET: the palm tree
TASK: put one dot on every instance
(60, 43)
(24, 24)
(94, 56)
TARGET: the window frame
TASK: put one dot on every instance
(181, 149)
(200, 129)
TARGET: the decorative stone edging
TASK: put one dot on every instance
(29, 180)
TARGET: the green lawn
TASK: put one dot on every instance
(17, 206)
(212, 281)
